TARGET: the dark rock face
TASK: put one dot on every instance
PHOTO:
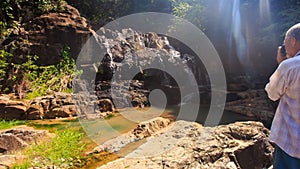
(47, 35)
(128, 53)
(137, 93)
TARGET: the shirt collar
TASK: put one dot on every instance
(298, 53)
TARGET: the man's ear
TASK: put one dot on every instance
(293, 41)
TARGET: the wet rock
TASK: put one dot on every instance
(254, 104)
(86, 105)
(106, 105)
(60, 112)
(35, 111)
(49, 107)
(190, 145)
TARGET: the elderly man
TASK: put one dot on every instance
(285, 85)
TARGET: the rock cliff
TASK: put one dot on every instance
(47, 35)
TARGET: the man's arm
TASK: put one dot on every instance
(277, 85)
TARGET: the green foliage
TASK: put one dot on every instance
(4, 32)
(14, 12)
(23, 165)
(63, 151)
(287, 17)
(106, 10)
(51, 78)
(9, 124)
(39, 79)
(45, 6)
(192, 10)
(4, 62)
(180, 8)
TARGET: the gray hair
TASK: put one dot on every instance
(294, 31)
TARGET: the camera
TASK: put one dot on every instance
(282, 50)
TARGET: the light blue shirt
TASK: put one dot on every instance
(285, 85)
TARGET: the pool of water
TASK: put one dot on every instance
(100, 130)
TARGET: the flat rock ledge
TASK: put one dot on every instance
(189, 145)
(143, 130)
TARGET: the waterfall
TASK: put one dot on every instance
(264, 10)
(230, 19)
(238, 34)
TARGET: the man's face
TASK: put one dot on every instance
(288, 42)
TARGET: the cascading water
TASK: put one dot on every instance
(264, 10)
(230, 10)
(238, 34)
(239, 29)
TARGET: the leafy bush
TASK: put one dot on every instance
(36, 80)
(4, 57)
(14, 12)
(51, 78)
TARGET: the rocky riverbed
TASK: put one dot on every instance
(163, 143)
(190, 145)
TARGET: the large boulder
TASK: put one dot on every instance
(19, 137)
(14, 140)
(189, 145)
(47, 35)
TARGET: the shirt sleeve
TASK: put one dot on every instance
(277, 84)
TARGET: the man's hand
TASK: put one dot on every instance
(280, 56)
